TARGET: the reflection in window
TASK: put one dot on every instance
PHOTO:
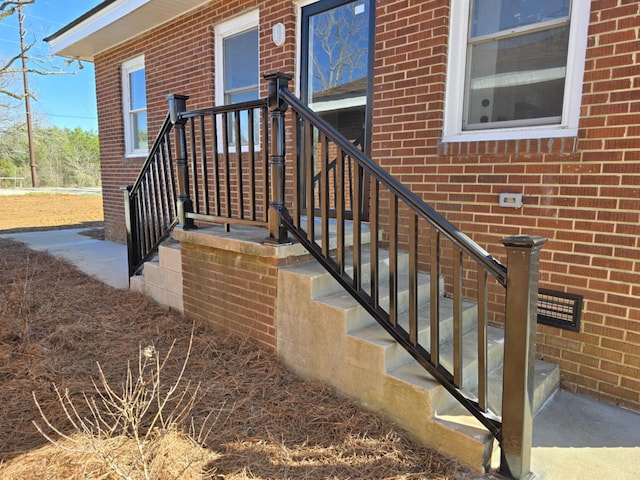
(337, 58)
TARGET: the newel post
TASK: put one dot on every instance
(275, 82)
(523, 266)
(178, 105)
(131, 228)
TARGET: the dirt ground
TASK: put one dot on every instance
(48, 210)
(252, 419)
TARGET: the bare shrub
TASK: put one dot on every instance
(136, 430)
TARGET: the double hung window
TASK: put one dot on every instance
(517, 68)
(134, 92)
(237, 69)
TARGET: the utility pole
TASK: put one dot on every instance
(27, 101)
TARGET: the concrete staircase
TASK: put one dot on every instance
(161, 278)
(325, 335)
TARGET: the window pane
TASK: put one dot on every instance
(140, 137)
(518, 78)
(490, 16)
(241, 60)
(138, 90)
(338, 53)
(239, 97)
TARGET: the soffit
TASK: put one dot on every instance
(113, 22)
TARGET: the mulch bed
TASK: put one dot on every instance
(57, 324)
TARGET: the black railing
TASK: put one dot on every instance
(215, 170)
(399, 220)
(150, 203)
(231, 169)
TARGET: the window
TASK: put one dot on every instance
(134, 93)
(515, 68)
(237, 68)
(336, 64)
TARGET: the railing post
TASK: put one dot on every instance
(131, 228)
(523, 262)
(275, 82)
(178, 105)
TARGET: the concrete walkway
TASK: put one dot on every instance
(574, 438)
(104, 260)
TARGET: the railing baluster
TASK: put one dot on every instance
(309, 168)
(393, 260)
(357, 239)
(323, 194)
(157, 203)
(434, 297)
(297, 167)
(482, 339)
(171, 170)
(145, 213)
(339, 187)
(374, 246)
(195, 198)
(413, 279)
(204, 164)
(162, 173)
(457, 317)
(266, 176)
(239, 172)
(251, 153)
(216, 164)
(226, 163)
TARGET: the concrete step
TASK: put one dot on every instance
(331, 338)
(161, 277)
(324, 285)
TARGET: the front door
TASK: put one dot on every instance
(336, 74)
(337, 65)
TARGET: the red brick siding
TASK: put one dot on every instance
(582, 193)
(234, 292)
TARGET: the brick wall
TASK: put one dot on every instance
(232, 291)
(582, 193)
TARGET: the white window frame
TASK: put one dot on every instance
(231, 27)
(455, 84)
(128, 67)
(236, 25)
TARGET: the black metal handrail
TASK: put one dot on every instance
(400, 220)
(214, 151)
(150, 203)
(228, 171)
(302, 223)
(215, 170)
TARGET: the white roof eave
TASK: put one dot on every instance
(116, 23)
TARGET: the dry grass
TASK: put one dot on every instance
(47, 210)
(56, 324)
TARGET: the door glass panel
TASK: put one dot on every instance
(337, 62)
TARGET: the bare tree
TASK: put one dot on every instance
(341, 35)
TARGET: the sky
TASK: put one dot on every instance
(65, 101)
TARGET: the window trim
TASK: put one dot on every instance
(455, 82)
(237, 25)
(226, 29)
(128, 67)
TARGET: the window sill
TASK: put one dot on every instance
(510, 134)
